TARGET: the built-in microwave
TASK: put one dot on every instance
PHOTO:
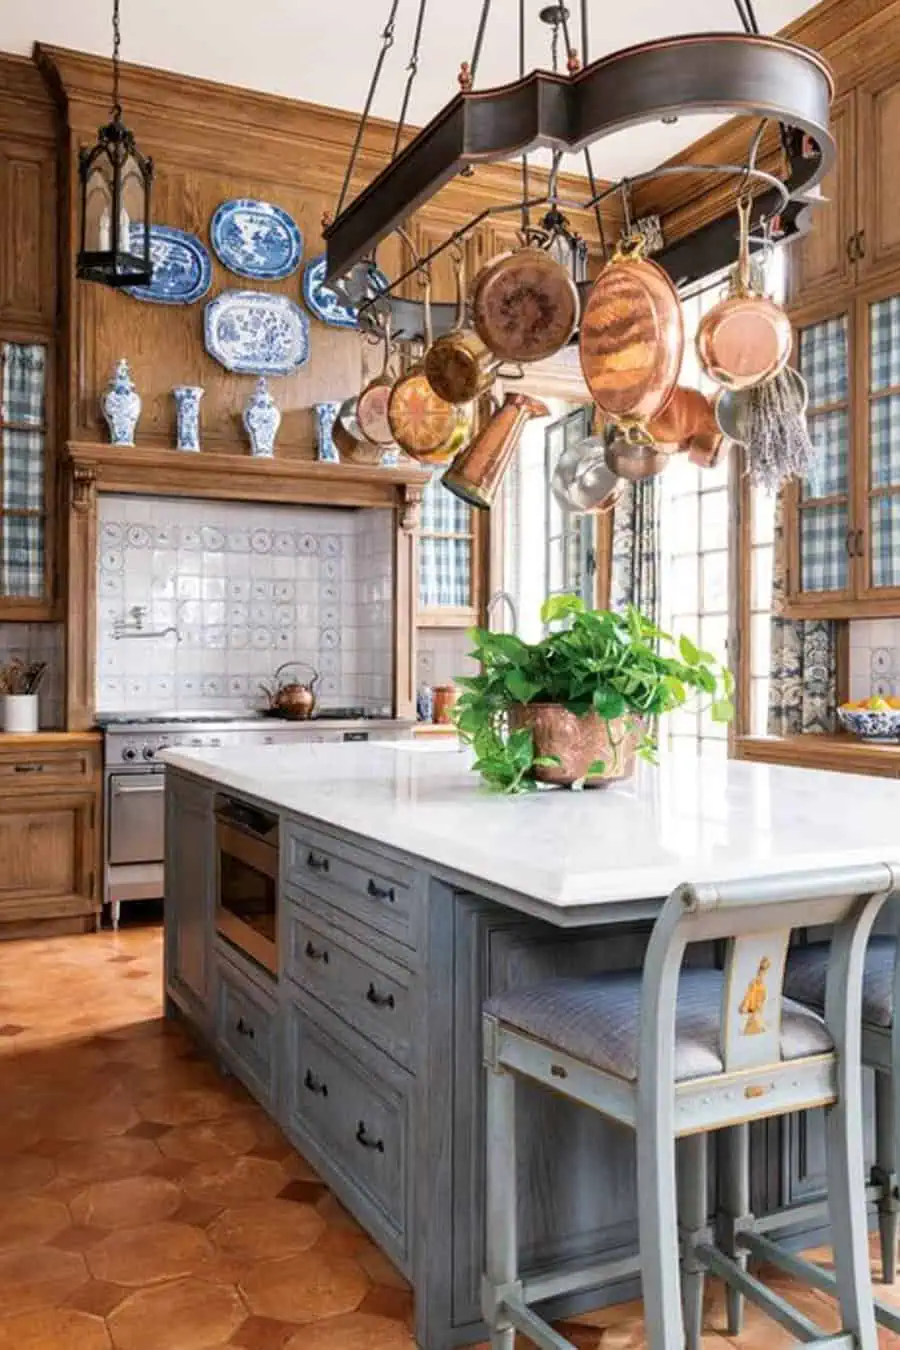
(247, 900)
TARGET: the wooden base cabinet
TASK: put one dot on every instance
(49, 834)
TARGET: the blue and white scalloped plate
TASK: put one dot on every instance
(256, 239)
(182, 268)
(256, 333)
(324, 303)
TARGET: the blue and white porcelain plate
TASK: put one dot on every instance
(182, 268)
(324, 304)
(256, 239)
(255, 333)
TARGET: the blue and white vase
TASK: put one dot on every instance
(325, 446)
(121, 406)
(187, 415)
(262, 420)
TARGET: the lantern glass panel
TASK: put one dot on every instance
(98, 207)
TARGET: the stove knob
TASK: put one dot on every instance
(196, 740)
(149, 752)
(129, 753)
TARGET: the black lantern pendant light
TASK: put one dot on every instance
(115, 200)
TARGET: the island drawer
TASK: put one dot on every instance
(348, 1113)
(246, 1032)
(368, 990)
(379, 892)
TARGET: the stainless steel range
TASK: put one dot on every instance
(134, 779)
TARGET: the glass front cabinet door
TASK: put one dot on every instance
(24, 589)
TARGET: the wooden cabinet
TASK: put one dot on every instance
(190, 899)
(823, 258)
(49, 834)
(28, 245)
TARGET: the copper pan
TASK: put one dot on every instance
(687, 413)
(423, 424)
(524, 305)
(632, 336)
(706, 449)
(459, 365)
(372, 403)
(359, 452)
(635, 456)
(746, 338)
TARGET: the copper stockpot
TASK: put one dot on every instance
(746, 338)
(635, 457)
(372, 402)
(524, 305)
(477, 472)
(632, 337)
(578, 742)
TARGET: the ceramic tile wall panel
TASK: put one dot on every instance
(369, 628)
(874, 657)
(40, 642)
(242, 588)
(442, 655)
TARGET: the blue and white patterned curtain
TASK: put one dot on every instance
(803, 667)
(634, 576)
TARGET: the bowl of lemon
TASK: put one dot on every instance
(872, 719)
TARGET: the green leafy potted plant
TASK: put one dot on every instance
(577, 707)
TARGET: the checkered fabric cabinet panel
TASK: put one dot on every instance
(823, 548)
(884, 343)
(24, 367)
(884, 441)
(823, 361)
(22, 447)
(828, 474)
(885, 546)
(444, 572)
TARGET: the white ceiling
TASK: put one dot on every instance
(323, 51)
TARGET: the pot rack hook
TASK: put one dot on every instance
(625, 192)
(752, 155)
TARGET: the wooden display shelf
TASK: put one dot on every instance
(839, 752)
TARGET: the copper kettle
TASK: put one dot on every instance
(291, 699)
(477, 472)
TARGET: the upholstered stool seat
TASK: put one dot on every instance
(597, 1021)
(807, 970)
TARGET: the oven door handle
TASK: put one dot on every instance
(137, 788)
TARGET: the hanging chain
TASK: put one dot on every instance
(387, 42)
(117, 43)
(554, 46)
(413, 69)
(479, 39)
(526, 192)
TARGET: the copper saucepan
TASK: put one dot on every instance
(746, 338)
(524, 305)
(372, 403)
(423, 424)
(632, 336)
(687, 413)
(459, 366)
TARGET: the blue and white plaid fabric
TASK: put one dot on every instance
(445, 565)
(885, 541)
(823, 548)
(828, 473)
(823, 361)
(23, 470)
(884, 343)
(884, 440)
(22, 556)
(24, 368)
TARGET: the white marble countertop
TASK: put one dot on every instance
(688, 819)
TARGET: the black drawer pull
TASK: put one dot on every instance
(380, 892)
(379, 1000)
(244, 1029)
(28, 768)
(363, 1137)
(317, 863)
(315, 1085)
(317, 953)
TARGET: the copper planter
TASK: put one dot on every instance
(577, 742)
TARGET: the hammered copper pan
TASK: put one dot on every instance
(372, 403)
(524, 305)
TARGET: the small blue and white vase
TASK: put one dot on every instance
(187, 415)
(262, 420)
(121, 406)
(326, 449)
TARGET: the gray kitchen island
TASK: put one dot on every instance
(337, 915)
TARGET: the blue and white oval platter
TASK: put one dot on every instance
(182, 268)
(256, 239)
(324, 303)
(256, 333)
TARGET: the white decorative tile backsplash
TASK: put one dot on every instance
(874, 657)
(230, 592)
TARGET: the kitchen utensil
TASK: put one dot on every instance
(422, 423)
(372, 403)
(581, 480)
(291, 699)
(459, 366)
(477, 471)
(746, 338)
(706, 450)
(357, 451)
(687, 413)
(777, 437)
(525, 305)
(732, 406)
(635, 458)
(632, 336)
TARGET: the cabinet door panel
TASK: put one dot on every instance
(46, 852)
(28, 235)
(189, 899)
(820, 261)
(878, 418)
(879, 186)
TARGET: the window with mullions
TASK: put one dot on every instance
(23, 432)
(446, 538)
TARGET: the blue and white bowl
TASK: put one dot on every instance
(871, 725)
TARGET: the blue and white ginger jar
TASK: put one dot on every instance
(187, 415)
(262, 420)
(121, 406)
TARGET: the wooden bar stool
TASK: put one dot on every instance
(675, 1053)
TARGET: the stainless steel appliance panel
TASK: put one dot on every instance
(136, 817)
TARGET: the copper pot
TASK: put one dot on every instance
(705, 450)
(636, 458)
(444, 698)
(422, 423)
(372, 403)
(746, 338)
(292, 699)
(358, 452)
(477, 472)
(687, 413)
(632, 336)
(577, 743)
(459, 366)
(524, 305)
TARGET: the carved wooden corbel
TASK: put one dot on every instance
(84, 487)
(409, 511)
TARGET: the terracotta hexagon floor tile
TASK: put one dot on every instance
(38, 1277)
(106, 1159)
(77, 1239)
(24, 1172)
(267, 1228)
(27, 1220)
(186, 1106)
(262, 1333)
(396, 1304)
(305, 1287)
(358, 1331)
(185, 1315)
(333, 1212)
(54, 1329)
(113, 1114)
(97, 1297)
(304, 1192)
(210, 1139)
(149, 1254)
(234, 1180)
(341, 1242)
(379, 1268)
(127, 1202)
